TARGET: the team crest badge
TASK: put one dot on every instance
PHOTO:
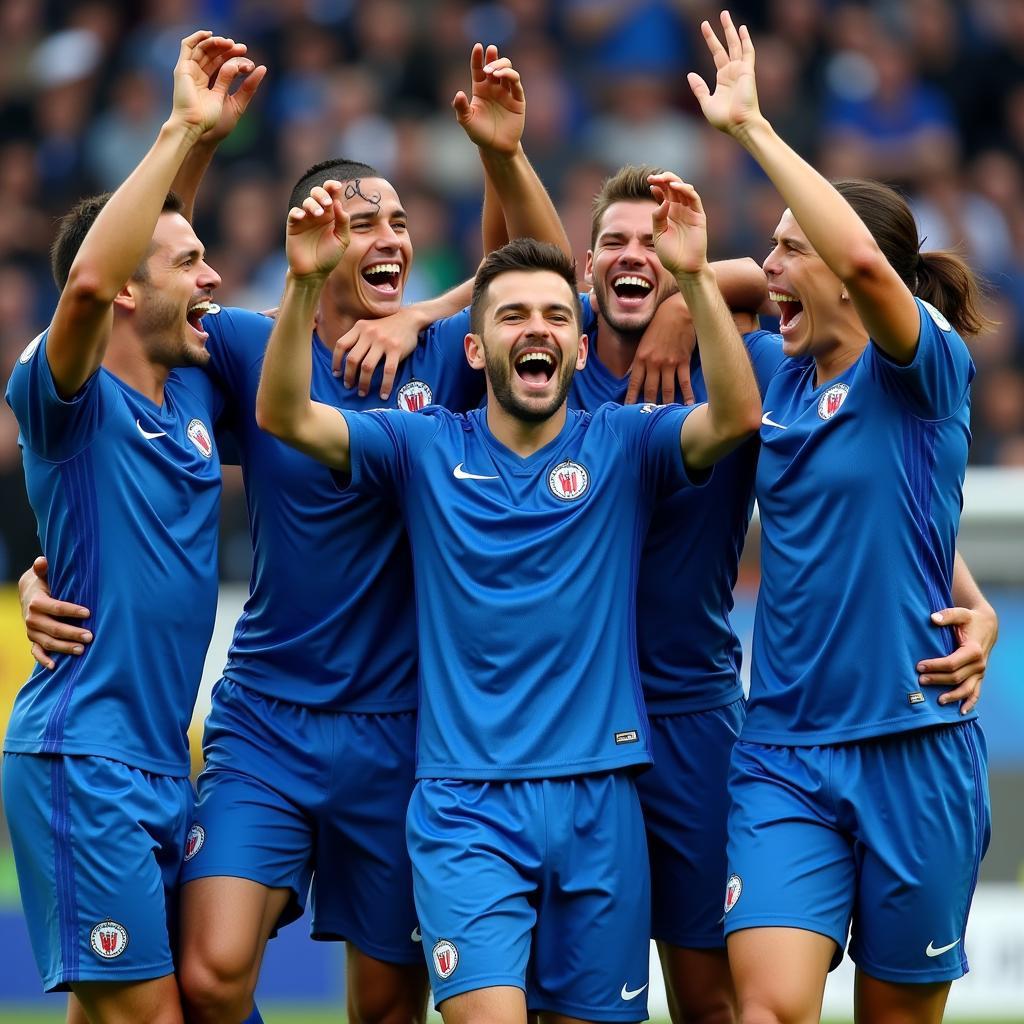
(30, 349)
(832, 400)
(733, 889)
(194, 840)
(446, 958)
(648, 407)
(940, 321)
(414, 395)
(200, 437)
(568, 481)
(108, 939)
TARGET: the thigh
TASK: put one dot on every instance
(362, 883)
(500, 1004)
(698, 984)
(920, 803)
(883, 1002)
(97, 846)
(685, 803)
(264, 779)
(476, 851)
(152, 1002)
(381, 991)
(592, 944)
(790, 866)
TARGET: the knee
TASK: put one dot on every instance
(385, 1008)
(719, 1009)
(756, 1012)
(215, 989)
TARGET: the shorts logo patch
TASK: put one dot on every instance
(194, 840)
(568, 481)
(414, 395)
(629, 736)
(108, 939)
(917, 697)
(200, 437)
(446, 958)
(733, 889)
(832, 400)
(940, 321)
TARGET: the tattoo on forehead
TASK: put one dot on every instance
(355, 188)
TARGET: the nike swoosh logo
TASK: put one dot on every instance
(460, 474)
(932, 951)
(627, 994)
(416, 937)
(767, 420)
(149, 436)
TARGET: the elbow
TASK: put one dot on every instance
(752, 420)
(865, 262)
(86, 286)
(265, 418)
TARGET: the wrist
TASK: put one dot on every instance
(181, 132)
(311, 283)
(754, 133)
(498, 159)
(689, 281)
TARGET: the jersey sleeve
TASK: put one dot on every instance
(649, 435)
(765, 351)
(237, 342)
(935, 383)
(384, 445)
(458, 386)
(56, 429)
(589, 322)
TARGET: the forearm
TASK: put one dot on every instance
(190, 176)
(522, 199)
(492, 219)
(451, 302)
(965, 590)
(734, 403)
(742, 283)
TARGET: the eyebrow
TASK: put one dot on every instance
(788, 240)
(507, 307)
(364, 215)
(185, 254)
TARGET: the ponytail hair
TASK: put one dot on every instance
(942, 278)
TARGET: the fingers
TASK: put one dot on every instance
(967, 695)
(637, 373)
(43, 606)
(952, 617)
(366, 368)
(48, 643)
(355, 359)
(460, 104)
(342, 347)
(732, 38)
(685, 385)
(718, 51)
(387, 382)
(668, 384)
(651, 384)
(40, 567)
(43, 658)
(698, 87)
(248, 88)
(476, 62)
(229, 71)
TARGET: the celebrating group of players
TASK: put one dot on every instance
(488, 627)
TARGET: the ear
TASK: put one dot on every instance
(474, 351)
(126, 298)
(588, 274)
(581, 352)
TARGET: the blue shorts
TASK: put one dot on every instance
(97, 845)
(290, 794)
(685, 802)
(888, 833)
(539, 884)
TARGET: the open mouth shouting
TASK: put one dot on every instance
(383, 278)
(631, 290)
(791, 310)
(535, 367)
(195, 313)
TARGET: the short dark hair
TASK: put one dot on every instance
(74, 226)
(627, 184)
(522, 254)
(337, 168)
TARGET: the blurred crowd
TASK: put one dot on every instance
(926, 94)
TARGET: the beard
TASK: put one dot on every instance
(499, 374)
(160, 325)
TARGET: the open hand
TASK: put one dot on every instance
(733, 104)
(495, 116)
(680, 227)
(318, 232)
(207, 66)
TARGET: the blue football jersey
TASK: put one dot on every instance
(525, 574)
(689, 653)
(330, 620)
(127, 499)
(859, 489)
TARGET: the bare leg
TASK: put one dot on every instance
(225, 925)
(699, 985)
(383, 993)
(884, 1002)
(780, 974)
(499, 1004)
(76, 1013)
(155, 1001)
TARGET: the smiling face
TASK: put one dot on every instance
(171, 293)
(530, 343)
(369, 281)
(624, 270)
(814, 314)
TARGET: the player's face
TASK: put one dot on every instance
(531, 342)
(624, 270)
(807, 292)
(176, 293)
(369, 281)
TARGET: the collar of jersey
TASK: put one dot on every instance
(516, 463)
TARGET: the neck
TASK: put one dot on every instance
(127, 360)
(616, 349)
(837, 359)
(331, 319)
(524, 437)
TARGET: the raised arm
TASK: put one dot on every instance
(317, 237)
(733, 409)
(885, 304)
(119, 239)
(493, 118)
